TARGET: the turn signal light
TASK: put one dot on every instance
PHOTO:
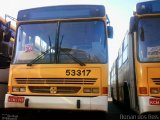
(142, 90)
(105, 90)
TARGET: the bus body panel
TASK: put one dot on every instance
(148, 104)
(149, 77)
(58, 75)
(63, 103)
(38, 80)
(132, 77)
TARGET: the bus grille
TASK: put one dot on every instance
(156, 81)
(59, 89)
(77, 81)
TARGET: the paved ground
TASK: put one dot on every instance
(50, 115)
(14, 114)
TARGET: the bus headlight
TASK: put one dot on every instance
(22, 89)
(91, 90)
(87, 90)
(15, 89)
(154, 90)
(95, 90)
(18, 89)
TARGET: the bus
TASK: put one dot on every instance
(60, 60)
(5, 56)
(135, 74)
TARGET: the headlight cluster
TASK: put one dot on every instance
(18, 89)
(90, 90)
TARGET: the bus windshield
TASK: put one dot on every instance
(149, 39)
(60, 42)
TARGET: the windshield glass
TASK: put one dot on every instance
(149, 39)
(61, 42)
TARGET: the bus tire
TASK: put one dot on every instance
(126, 96)
(113, 100)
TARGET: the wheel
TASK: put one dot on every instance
(126, 96)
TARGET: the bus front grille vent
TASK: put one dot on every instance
(77, 81)
(54, 90)
(156, 81)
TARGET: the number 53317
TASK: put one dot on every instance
(70, 72)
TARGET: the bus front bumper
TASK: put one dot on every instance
(99, 103)
(149, 104)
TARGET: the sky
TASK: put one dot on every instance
(119, 12)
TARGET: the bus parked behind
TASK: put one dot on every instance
(6, 31)
(138, 61)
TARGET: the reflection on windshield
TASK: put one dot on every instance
(149, 39)
(85, 41)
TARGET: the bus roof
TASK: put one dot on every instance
(61, 12)
(148, 7)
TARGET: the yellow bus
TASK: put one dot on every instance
(135, 76)
(5, 56)
(60, 59)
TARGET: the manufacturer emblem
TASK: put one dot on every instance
(53, 90)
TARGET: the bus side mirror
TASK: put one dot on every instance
(133, 24)
(110, 31)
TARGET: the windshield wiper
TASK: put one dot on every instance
(73, 58)
(57, 49)
(41, 55)
(38, 57)
(68, 54)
